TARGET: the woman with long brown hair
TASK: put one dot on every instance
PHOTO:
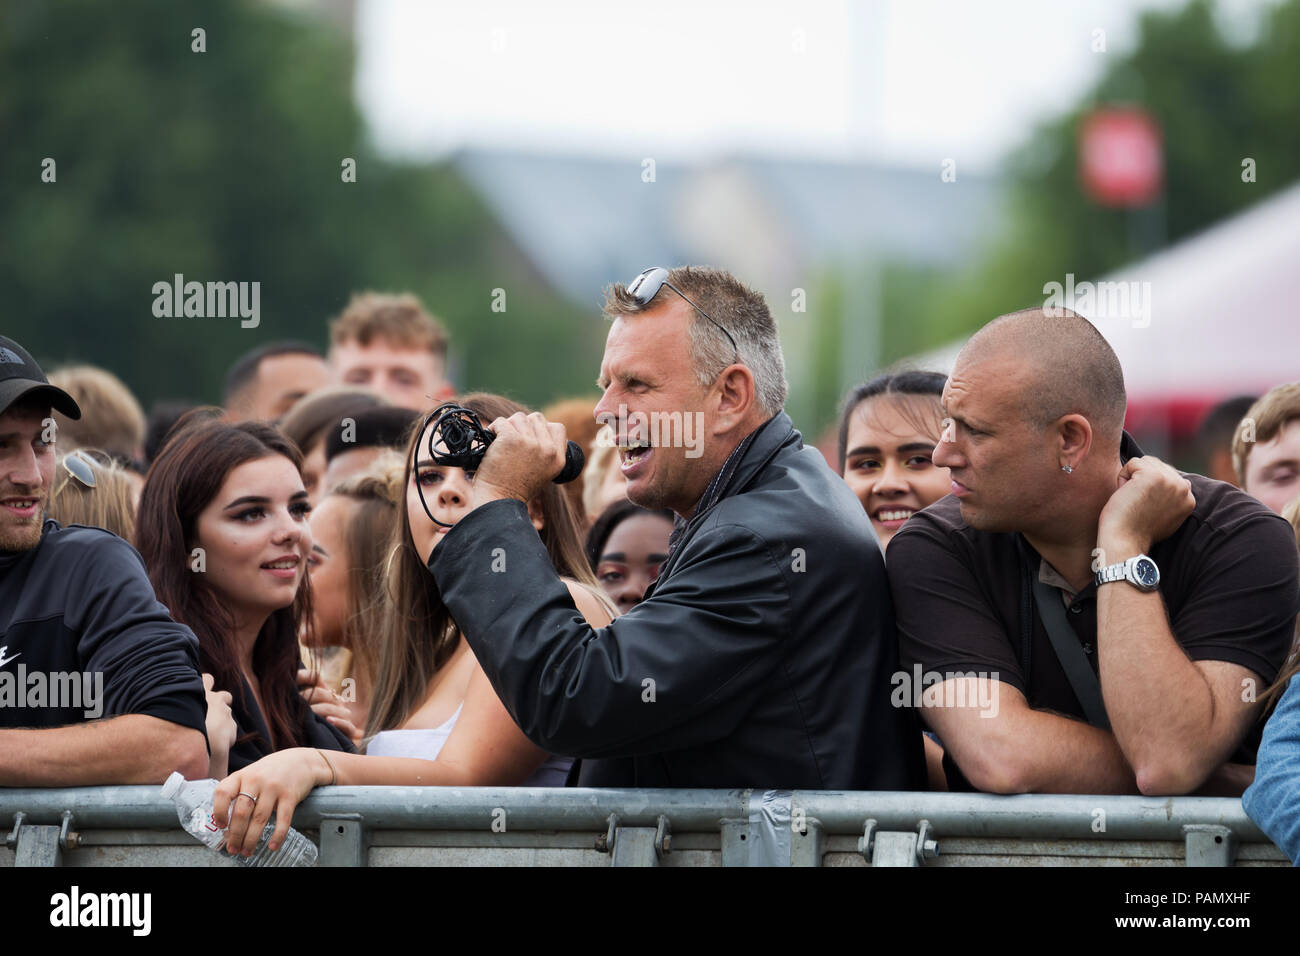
(434, 716)
(222, 527)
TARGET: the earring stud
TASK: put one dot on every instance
(1067, 469)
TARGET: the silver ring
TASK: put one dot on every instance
(249, 795)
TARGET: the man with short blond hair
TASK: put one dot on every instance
(1266, 448)
(391, 344)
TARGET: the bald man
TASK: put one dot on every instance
(1085, 619)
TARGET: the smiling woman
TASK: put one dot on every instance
(223, 531)
(888, 430)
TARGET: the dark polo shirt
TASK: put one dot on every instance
(964, 598)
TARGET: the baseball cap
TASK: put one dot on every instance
(20, 375)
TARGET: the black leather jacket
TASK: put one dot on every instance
(761, 658)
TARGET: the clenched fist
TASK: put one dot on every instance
(527, 453)
(1151, 500)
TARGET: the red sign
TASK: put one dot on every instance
(1121, 156)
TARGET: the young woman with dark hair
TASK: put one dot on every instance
(888, 430)
(222, 527)
(434, 718)
(626, 546)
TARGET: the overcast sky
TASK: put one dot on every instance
(908, 81)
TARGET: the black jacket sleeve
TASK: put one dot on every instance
(320, 733)
(679, 670)
(150, 662)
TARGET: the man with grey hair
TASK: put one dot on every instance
(762, 655)
(1123, 616)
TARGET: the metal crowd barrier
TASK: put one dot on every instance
(404, 826)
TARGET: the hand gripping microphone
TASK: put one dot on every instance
(459, 440)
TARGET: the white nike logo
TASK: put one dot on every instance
(5, 660)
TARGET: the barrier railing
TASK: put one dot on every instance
(398, 826)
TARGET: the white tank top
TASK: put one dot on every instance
(426, 744)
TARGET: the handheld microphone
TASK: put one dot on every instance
(574, 462)
(459, 440)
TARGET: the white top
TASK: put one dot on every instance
(425, 744)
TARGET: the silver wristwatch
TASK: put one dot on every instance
(1140, 571)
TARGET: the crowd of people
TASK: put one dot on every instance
(994, 590)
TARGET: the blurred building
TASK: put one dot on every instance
(586, 220)
(781, 225)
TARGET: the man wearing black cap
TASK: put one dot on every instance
(98, 685)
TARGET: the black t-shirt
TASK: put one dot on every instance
(80, 604)
(963, 598)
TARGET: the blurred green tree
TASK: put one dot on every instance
(226, 165)
(1216, 102)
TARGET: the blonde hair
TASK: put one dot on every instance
(1268, 416)
(399, 320)
(110, 504)
(111, 419)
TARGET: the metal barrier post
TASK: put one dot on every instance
(38, 846)
(895, 848)
(41, 845)
(342, 840)
(808, 845)
(735, 846)
(634, 846)
(1209, 844)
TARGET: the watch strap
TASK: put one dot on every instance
(1112, 572)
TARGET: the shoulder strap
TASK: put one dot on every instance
(1083, 680)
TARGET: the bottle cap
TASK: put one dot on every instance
(173, 785)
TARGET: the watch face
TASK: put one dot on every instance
(1147, 574)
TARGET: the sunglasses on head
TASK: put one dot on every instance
(78, 465)
(646, 286)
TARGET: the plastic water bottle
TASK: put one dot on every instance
(193, 800)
